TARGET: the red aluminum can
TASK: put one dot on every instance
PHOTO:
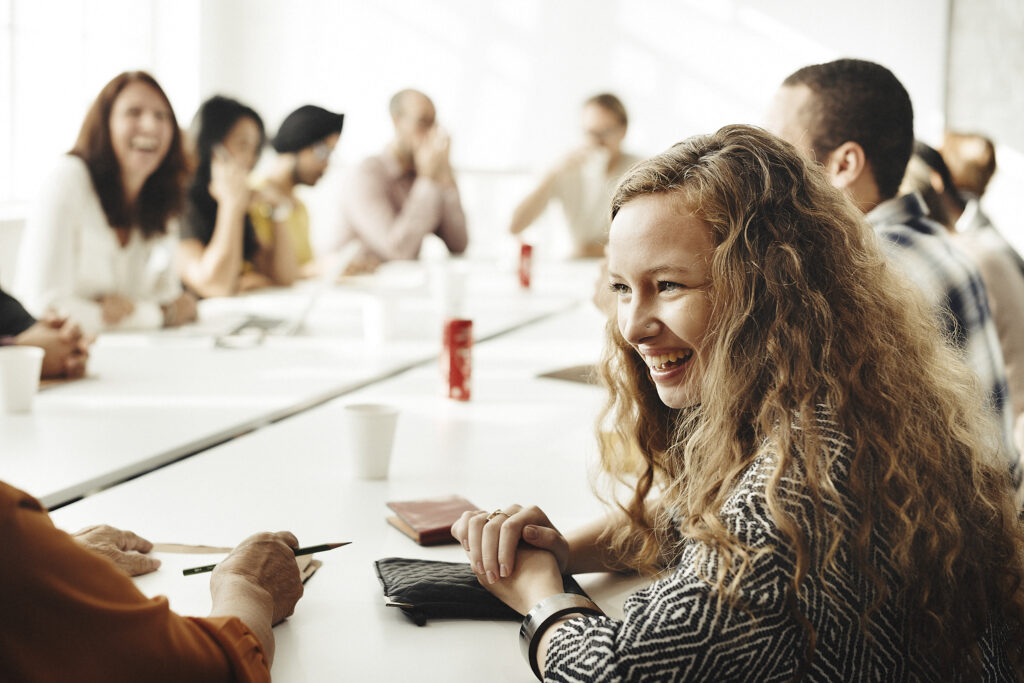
(457, 357)
(525, 265)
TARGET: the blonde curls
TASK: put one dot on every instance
(807, 313)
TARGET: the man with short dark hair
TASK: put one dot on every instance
(393, 200)
(855, 118)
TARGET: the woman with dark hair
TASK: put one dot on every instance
(804, 465)
(99, 246)
(219, 254)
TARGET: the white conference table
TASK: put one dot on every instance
(153, 398)
(519, 439)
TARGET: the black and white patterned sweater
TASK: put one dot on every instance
(676, 629)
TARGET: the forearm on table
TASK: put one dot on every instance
(283, 264)
(546, 638)
(533, 205)
(86, 312)
(586, 553)
(396, 235)
(48, 275)
(147, 315)
(453, 222)
(167, 287)
(214, 271)
(250, 603)
(14, 319)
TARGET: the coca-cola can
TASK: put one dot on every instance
(457, 357)
(525, 265)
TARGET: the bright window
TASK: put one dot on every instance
(56, 55)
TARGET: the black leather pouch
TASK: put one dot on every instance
(430, 589)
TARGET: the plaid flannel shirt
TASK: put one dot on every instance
(921, 249)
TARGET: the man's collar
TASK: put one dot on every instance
(972, 218)
(898, 210)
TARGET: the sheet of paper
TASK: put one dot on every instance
(189, 549)
(190, 595)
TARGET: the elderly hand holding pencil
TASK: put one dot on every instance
(259, 583)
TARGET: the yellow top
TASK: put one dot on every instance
(296, 222)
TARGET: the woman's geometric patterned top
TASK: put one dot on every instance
(678, 630)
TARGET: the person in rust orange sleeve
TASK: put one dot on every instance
(72, 614)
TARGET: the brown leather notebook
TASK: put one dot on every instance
(429, 521)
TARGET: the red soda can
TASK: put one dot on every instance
(457, 357)
(525, 265)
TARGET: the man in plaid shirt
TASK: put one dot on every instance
(856, 119)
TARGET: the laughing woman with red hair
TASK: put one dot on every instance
(99, 246)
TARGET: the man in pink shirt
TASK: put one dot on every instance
(395, 199)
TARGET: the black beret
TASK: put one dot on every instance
(305, 127)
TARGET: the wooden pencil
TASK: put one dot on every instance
(308, 550)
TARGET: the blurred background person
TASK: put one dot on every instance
(971, 160)
(393, 200)
(928, 175)
(220, 254)
(304, 144)
(99, 245)
(584, 180)
(65, 348)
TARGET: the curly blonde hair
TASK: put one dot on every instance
(806, 313)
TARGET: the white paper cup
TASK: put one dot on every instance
(369, 434)
(19, 377)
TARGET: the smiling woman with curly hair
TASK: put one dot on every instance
(812, 478)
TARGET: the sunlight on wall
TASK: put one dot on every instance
(58, 54)
(507, 77)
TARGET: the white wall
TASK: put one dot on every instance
(986, 82)
(508, 77)
(55, 56)
(61, 54)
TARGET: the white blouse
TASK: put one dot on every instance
(70, 256)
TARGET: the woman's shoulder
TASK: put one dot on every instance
(65, 199)
(67, 181)
(747, 505)
(70, 168)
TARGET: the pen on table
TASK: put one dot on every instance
(308, 550)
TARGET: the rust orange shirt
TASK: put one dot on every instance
(71, 615)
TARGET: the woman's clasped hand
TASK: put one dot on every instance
(516, 552)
